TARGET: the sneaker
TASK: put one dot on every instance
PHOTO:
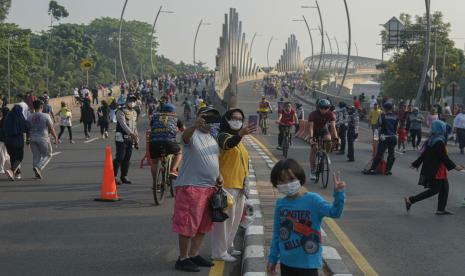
(234, 252)
(118, 182)
(10, 175)
(369, 172)
(87, 137)
(227, 258)
(71, 141)
(125, 180)
(103, 136)
(59, 141)
(2, 171)
(37, 172)
(312, 176)
(199, 261)
(279, 148)
(106, 134)
(18, 176)
(186, 265)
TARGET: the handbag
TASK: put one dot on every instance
(218, 202)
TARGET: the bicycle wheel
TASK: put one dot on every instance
(324, 170)
(317, 171)
(265, 126)
(159, 187)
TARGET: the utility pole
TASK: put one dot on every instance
(119, 41)
(443, 81)
(426, 54)
(151, 36)
(435, 67)
(9, 71)
(195, 40)
(349, 48)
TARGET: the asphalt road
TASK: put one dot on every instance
(374, 218)
(54, 227)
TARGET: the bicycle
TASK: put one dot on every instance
(322, 165)
(263, 122)
(287, 137)
(162, 179)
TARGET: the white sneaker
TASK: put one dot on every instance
(234, 252)
(329, 160)
(312, 176)
(227, 258)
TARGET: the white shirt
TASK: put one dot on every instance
(459, 121)
(447, 110)
(372, 103)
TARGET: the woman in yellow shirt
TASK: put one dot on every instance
(234, 166)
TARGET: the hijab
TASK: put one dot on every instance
(438, 132)
(224, 125)
(15, 123)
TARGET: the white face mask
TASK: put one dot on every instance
(290, 188)
(131, 104)
(235, 124)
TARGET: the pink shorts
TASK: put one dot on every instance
(192, 213)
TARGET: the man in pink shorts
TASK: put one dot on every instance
(199, 178)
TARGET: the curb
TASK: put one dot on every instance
(254, 259)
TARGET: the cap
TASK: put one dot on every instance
(168, 107)
(207, 109)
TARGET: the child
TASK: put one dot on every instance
(296, 241)
(402, 136)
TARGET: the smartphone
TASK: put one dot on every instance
(253, 120)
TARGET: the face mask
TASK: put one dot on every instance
(131, 104)
(290, 188)
(235, 124)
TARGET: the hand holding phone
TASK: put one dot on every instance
(253, 120)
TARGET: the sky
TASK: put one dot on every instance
(266, 17)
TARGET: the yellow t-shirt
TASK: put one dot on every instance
(374, 115)
(234, 166)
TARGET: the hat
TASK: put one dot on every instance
(207, 109)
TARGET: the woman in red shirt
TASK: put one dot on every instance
(436, 164)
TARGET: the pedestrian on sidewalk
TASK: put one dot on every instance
(296, 241)
(87, 117)
(3, 152)
(39, 139)
(435, 163)
(15, 126)
(459, 129)
(234, 167)
(103, 113)
(415, 120)
(199, 178)
(65, 122)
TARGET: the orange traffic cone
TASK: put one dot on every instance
(108, 183)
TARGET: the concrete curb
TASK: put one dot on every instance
(254, 261)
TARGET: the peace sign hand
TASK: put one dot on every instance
(339, 184)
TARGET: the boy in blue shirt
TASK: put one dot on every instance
(296, 241)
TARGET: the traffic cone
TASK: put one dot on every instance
(108, 183)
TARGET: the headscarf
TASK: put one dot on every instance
(15, 123)
(224, 125)
(438, 132)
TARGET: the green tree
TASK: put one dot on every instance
(4, 8)
(56, 11)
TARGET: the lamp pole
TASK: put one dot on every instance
(268, 52)
(119, 41)
(310, 35)
(9, 71)
(195, 40)
(349, 48)
(151, 36)
(426, 54)
(253, 40)
(322, 36)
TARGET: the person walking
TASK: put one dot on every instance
(39, 139)
(198, 180)
(388, 123)
(415, 121)
(296, 241)
(126, 136)
(87, 117)
(435, 163)
(352, 131)
(14, 127)
(234, 167)
(459, 129)
(65, 122)
(3, 152)
(374, 116)
(95, 95)
(103, 114)
(432, 116)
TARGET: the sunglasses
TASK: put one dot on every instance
(324, 108)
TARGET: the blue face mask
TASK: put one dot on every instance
(214, 129)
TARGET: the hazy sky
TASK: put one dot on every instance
(266, 17)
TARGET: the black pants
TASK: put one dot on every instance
(16, 154)
(297, 128)
(388, 144)
(436, 186)
(351, 136)
(103, 127)
(70, 132)
(282, 129)
(415, 134)
(122, 158)
(461, 137)
(87, 128)
(342, 135)
(95, 99)
(291, 271)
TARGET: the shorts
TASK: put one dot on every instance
(156, 148)
(321, 133)
(192, 213)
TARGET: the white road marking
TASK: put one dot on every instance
(56, 153)
(91, 140)
(75, 126)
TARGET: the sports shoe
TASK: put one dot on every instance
(18, 176)
(125, 180)
(71, 141)
(186, 265)
(106, 134)
(37, 172)
(234, 252)
(279, 148)
(369, 172)
(226, 257)
(199, 261)
(312, 176)
(10, 175)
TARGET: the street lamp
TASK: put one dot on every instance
(119, 41)
(349, 48)
(322, 35)
(195, 39)
(268, 52)
(151, 37)
(251, 43)
(310, 35)
(9, 72)
(426, 54)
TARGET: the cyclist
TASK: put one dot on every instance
(318, 127)
(264, 107)
(187, 108)
(286, 118)
(164, 126)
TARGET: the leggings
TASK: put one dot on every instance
(70, 132)
(103, 127)
(440, 187)
(292, 271)
(416, 137)
(16, 155)
(87, 128)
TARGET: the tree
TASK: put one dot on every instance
(4, 8)
(56, 11)
(402, 73)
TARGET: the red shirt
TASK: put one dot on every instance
(287, 118)
(441, 174)
(321, 120)
(357, 104)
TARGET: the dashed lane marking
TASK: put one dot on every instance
(56, 153)
(91, 140)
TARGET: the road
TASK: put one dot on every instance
(393, 242)
(54, 227)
